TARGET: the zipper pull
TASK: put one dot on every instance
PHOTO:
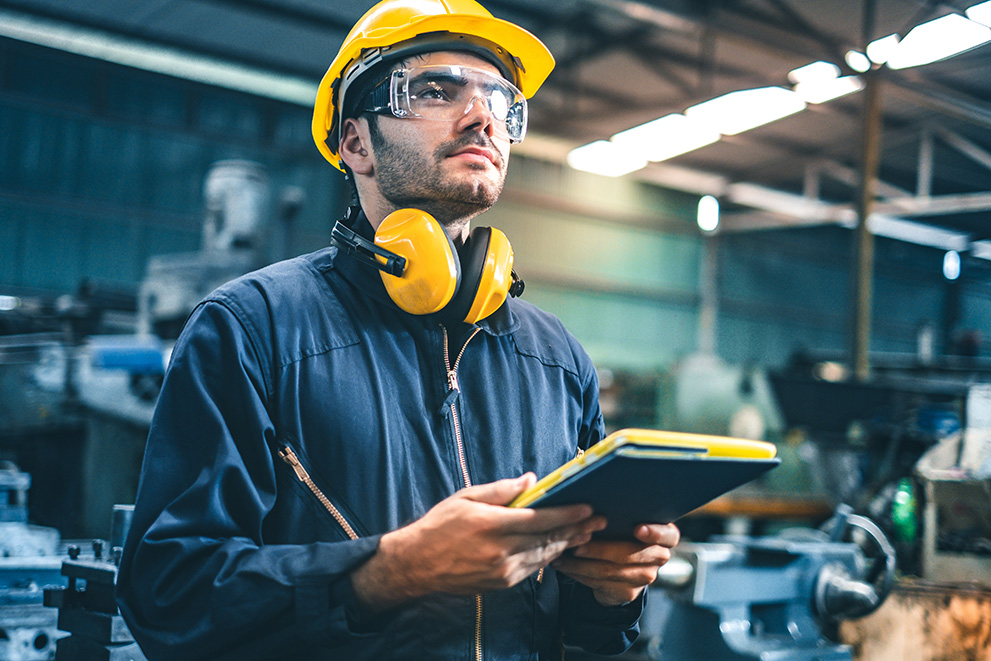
(452, 380)
(445, 407)
(290, 458)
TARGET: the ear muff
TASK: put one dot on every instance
(433, 270)
(424, 274)
(487, 275)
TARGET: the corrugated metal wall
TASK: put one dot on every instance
(102, 167)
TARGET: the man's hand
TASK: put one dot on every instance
(618, 571)
(471, 542)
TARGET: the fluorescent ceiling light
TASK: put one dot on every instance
(827, 90)
(815, 72)
(740, 111)
(881, 49)
(159, 59)
(666, 137)
(820, 82)
(605, 158)
(937, 40)
(980, 13)
(857, 61)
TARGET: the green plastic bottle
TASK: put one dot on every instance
(903, 514)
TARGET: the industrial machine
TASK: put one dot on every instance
(236, 223)
(87, 609)
(769, 598)
(29, 562)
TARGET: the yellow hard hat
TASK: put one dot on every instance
(395, 28)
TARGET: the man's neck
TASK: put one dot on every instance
(456, 228)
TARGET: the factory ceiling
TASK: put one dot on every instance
(622, 63)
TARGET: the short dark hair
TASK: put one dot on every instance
(354, 107)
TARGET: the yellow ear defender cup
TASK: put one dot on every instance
(424, 274)
(433, 270)
(487, 275)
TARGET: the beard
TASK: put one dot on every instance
(409, 178)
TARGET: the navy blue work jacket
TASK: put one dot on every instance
(304, 415)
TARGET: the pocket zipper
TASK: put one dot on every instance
(287, 455)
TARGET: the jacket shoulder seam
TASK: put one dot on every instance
(250, 333)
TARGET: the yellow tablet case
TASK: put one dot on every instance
(648, 476)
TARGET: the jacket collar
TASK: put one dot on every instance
(367, 280)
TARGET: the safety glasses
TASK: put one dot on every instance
(447, 92)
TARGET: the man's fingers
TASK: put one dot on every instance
(655, 533)
(596, 573)
(500, 492)
(624, 553)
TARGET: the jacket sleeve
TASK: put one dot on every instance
(587, 624)
(196, 579)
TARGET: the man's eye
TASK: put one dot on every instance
(433, 93)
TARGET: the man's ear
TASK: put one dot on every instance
(355, 149)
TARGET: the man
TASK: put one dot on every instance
(327, 474)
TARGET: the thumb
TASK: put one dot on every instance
(500, 492)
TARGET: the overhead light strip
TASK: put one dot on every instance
(158, 59)
(814, 83)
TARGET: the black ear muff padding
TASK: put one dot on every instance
(474, 253)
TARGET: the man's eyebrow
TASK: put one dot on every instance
(441, 77)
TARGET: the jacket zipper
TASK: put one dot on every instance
(452, 385)
(287, 455)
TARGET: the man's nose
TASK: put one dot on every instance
(477, 115)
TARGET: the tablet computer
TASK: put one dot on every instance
(636, 476)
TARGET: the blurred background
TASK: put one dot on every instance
(762, 218)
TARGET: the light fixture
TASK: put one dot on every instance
(666, 137)
(980, 13)
(879, 50)
(605, 158)
(820, 82)
(815, 72)
(857, 61)
(951, 265)
(827, 90)
(937, 40)
(9, 303)
(747, 109)
(707, 215)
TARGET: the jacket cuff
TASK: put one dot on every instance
(610, 617)
(329, 610)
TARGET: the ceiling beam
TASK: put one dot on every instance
(170, 61)
(285, 12)
(63, 23)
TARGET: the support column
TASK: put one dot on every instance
(869, 161)
(709, 295)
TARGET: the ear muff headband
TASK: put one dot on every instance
(424, 274)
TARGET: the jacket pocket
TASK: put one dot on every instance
(292, 459)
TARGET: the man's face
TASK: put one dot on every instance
(452, 169)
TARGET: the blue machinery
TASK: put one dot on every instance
(769, 598)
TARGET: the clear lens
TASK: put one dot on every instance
(448, 92)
